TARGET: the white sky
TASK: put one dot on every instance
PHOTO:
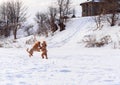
(42, 5)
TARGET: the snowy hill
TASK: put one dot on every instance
(69, 62)
(83, 31)
(80, 31)
(73, 29)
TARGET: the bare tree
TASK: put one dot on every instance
(64, 7)
(67, 9)
(4, 19)
(64, 10)
(17, 14)
(42, 21)
(14, 14)
(28, 29)
(98, 21)
(112, 8)
(52, 14)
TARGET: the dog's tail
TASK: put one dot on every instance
(29, 52)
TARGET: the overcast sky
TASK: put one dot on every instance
(42, 5)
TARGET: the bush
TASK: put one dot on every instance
(90, 41)
(31, 40)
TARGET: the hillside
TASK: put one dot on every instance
(72, 34)
(81, 31)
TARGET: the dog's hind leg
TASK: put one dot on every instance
(42, 55)
(46, 55)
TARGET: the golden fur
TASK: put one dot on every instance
(35, 47)
(44, 50)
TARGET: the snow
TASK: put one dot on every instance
(64, 67)
(68, 63)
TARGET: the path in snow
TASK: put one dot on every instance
(73, 28)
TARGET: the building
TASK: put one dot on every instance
(95, 7)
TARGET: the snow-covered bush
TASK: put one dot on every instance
(91, 41)
(31, 40)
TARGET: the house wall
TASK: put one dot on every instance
(91, 8)
(95, 7)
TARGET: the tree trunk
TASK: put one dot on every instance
(15, 33)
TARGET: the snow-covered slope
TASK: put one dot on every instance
(80, 31)
(73, 32)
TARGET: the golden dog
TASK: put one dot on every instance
(35, 47)
(44, 50)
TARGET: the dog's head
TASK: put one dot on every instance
(44, 44)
